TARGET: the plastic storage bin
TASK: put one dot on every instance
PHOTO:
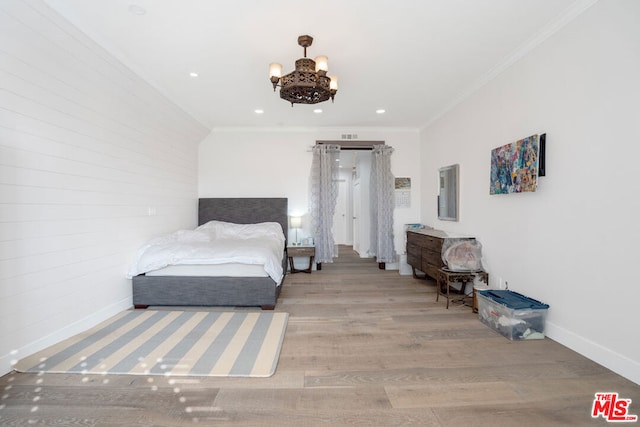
(513, 315)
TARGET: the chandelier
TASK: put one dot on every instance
(308, 83)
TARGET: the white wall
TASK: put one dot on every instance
(86, 148)
(573, 243)
(276, 163)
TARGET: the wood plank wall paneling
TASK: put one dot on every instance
(87, 150)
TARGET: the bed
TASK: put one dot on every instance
(219, 290)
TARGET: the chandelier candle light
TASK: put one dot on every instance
(308, 83)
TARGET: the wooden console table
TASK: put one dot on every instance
(424, 250)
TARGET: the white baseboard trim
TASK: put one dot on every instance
(391, 266)
(8, 360)
(621, 365)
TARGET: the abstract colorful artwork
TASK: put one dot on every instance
(514, 167)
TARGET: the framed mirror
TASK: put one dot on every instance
(448, 193)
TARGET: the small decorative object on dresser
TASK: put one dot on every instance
(301, 251)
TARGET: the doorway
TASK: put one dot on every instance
(352, 216)
(351, 225)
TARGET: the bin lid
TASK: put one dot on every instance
(513, 300)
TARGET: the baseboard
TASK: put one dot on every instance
(611, 360)
(391, 266)
(8, 360)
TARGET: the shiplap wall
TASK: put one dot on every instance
(93, 161)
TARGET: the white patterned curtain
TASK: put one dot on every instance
(382, 203)
(323, 196)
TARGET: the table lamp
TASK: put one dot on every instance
(296, 223)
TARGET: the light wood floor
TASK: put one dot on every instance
(363, 347)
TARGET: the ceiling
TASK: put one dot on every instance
(412, 58)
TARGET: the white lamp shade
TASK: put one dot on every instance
(334, 82)
(296, 222)
(322, 63)
(275, 70)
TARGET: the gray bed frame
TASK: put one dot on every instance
(219, 291)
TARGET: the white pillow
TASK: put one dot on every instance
(192, 236)
(229, 230)
(209, 227)
(181, 236)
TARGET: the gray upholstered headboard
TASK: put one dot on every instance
(245, 211)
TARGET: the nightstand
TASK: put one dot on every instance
(301, 251)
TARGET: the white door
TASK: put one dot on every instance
(356, 216)
(361, 208)
(340, 215)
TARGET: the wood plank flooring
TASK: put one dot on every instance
(363, 347)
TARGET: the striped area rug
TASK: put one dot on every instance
(170, 343)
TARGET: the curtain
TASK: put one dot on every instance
(382, 199)
(323, 195)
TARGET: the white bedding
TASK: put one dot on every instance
(215, 243)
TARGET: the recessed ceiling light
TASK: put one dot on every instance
(193, 74)
(381, 111)
(258, 111)
(137, 9)
(318, 110)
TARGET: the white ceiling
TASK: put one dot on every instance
(413, 58)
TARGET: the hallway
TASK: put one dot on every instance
(349, 259)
